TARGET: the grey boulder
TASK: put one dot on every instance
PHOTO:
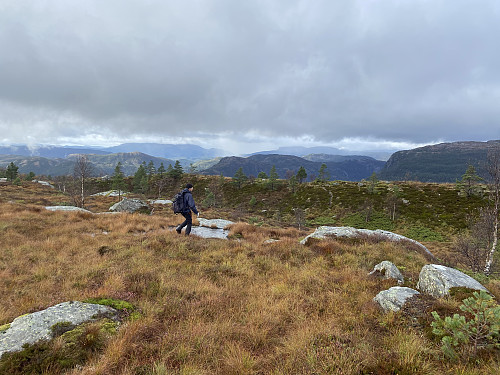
(349, 232)
(131, 206)
(31, 328)
(388, 270)
(394, 298)
(437, 280)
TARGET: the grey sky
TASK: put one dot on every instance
(248, 75)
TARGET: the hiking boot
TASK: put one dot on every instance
(178, 230)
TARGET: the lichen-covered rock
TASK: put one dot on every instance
(437, 280)
(67, 209)
(214, 223)
(31, 328)
(349, 232)
(388, 270)
(131, 206)
(394, 298)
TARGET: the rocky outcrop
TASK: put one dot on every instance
(214, 223)
(388, 270)
(131, 206)
(437, 280)
(31, 328)
(67, 209)
(349, 232)
(394, 298)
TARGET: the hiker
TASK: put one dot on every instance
(188, 207)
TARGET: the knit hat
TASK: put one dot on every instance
(189, 186)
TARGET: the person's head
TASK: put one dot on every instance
(189, 187)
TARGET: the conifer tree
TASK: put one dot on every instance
(323, 174)
(469, 182)
(118, 182)
(151, 170)
(11, 172)
(273, 178)
(301, 175)
(139, 177)
(239, 178)
(161, 170)
(177, 170)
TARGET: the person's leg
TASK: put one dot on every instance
(189, 220)
(185, 222)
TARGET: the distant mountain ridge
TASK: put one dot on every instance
(169, 151)
(102, 164)
(302, 151)
(349, 169)
(444, 162)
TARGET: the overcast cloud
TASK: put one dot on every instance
(246, 75)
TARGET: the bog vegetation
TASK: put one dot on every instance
(243, 305)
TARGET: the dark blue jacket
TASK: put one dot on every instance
(189, 202)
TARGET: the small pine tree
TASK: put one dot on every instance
(301, 175)
(118, 182)
(177, 171)
(139, 177)
(273, 178)
(323, 174)
(469, 182)
(468, 336)
(161, 170)
(11, 172)
(170, 171)
(150, 169)
(239, 178)
(372, 183)
(262, 175)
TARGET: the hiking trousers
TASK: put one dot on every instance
(187, 223)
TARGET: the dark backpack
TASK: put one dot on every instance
(178, 204)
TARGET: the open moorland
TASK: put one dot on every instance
(242, 305)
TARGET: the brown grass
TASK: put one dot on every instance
(241, 306)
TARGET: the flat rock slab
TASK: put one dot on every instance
(45, 183)
(160, 201)
(394, 298)
(110, 193)
(437, 280)
(31, 328)
(214, 223)
(67, 209)
(209, 232)
(349, 232)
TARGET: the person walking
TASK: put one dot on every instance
(188, 207)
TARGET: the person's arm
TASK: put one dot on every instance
(191, 204)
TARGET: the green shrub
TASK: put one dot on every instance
(419, 233)
(463, 338)
(377, 220)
